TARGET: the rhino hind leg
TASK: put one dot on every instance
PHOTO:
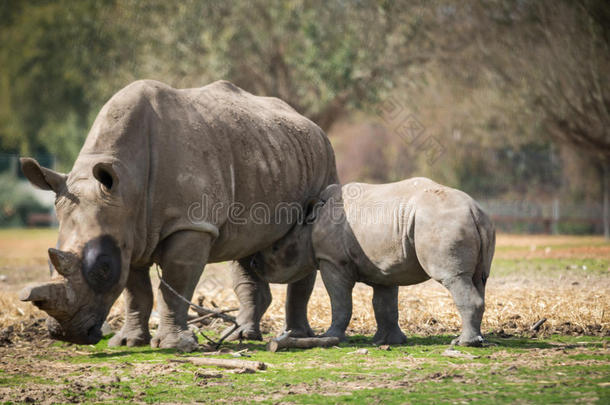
(182, 257)
(297, 297)
(138, 304)
(254, 298)
(385, 305)
(339, 285)
(471, 304)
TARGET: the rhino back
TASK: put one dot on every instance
(203, 158)
(380, 218)
(384, 223)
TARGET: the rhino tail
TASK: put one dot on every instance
(487, 237)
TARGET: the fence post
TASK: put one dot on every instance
(14, 165)
(555, 217)
(606, 197)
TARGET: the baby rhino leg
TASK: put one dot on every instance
(339, 285)
(385, 305)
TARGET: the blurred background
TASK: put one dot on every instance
(507, 100)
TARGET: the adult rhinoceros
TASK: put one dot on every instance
(180, 178)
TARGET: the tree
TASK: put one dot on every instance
(322, 57)
(65, 59)
(54, 55)
(574, 91)
(555, 56)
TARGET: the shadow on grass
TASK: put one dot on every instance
(355, 341)
(112, 353)
(251, 345)
(514, 342)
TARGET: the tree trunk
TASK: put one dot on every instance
(606, 197)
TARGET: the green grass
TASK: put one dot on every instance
(555, 369)
(28, 233)
(549, 267)
(554, 246)
(551, 370)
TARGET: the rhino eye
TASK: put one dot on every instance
(101, 263)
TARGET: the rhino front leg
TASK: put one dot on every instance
(297, 297)
(254, 298)
(471, 305)
(385, 305)
(138, 304)
(182, 257)
(339, 285)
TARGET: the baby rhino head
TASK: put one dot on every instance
(292, 257)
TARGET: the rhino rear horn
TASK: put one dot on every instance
(64, 262)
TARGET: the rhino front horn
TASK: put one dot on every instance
(42, 292)
(64, 262)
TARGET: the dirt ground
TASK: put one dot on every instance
(565, 280)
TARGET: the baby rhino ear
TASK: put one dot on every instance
(42, 177)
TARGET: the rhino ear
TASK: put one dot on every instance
(42, 177)
(105, 174)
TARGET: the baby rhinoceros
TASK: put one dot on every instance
(389, 235)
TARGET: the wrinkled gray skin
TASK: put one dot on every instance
(172, 177)
(389, 235)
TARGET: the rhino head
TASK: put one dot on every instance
(93, 251)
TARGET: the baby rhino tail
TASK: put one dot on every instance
(487, 235)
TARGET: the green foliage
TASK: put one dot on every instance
(53, 53)
(490, 82)
(551, 267)
(64, 59)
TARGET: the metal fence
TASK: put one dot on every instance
(551, 217)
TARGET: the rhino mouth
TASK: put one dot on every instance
(90, 334)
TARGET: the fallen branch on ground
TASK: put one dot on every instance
(284, 341)
(537, 325)
(211, 314)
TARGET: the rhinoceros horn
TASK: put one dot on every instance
(64, 262)
(51, 293)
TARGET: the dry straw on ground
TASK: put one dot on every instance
(572, 303)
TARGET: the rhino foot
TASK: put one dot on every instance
(184, 341)
(130, 337)
(476, 341)
(301, 332)
(332, 332)
(392, 336)
(244, 332)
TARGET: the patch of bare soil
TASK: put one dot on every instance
(27, 331)
(25, 359)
